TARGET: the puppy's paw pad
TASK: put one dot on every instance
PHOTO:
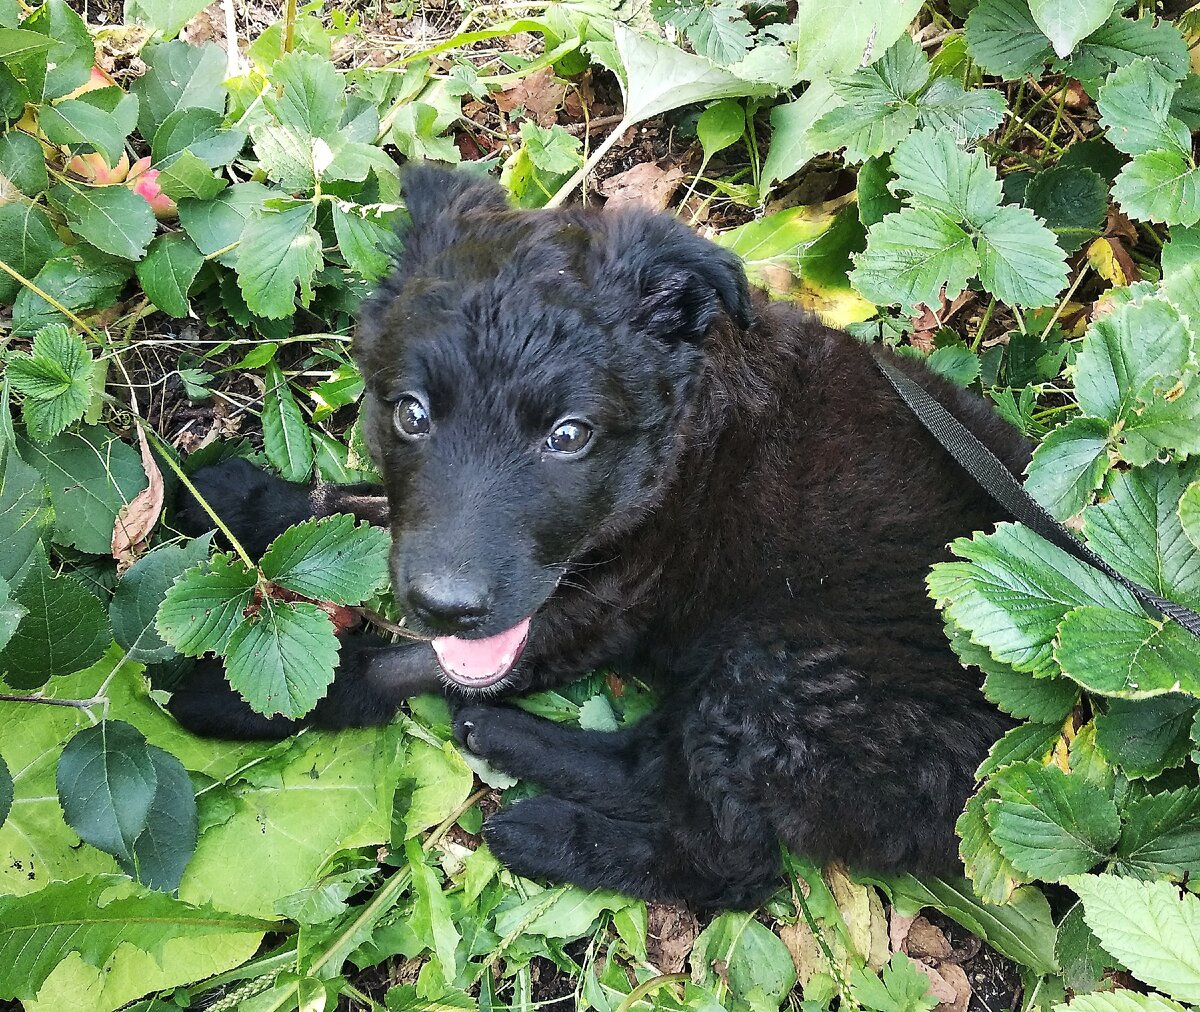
(474, 727)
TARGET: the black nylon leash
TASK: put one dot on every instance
(1000, 483)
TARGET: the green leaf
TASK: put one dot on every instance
(1119, 1001)
(1019, 261)
(1135, 105)
(1025, 741)
(56, 380)
(308, 94)
(964, 115)
(80, 279)
(162, 852)
(941, 176)
(832, 40)
(430, 917)
(1132, 656)
(1148, 927)
(1012, 589)
(215, 224)
(64, 628)
(330, 559)
(992, 875)
(794, 139)
(441, 781)
(958, 363)
(1004, 39)
(16, 44)
(91, 475)
(1122, 40)
(363, 241)
(901, 987)
(553, 150)
(720, 126)
(70, 58)
(1189, 513)
(140, 593)
(200, 132)
(106, 781)
(167, 273)
(203, 607)
(1145, 737)
(23, 163)
(1082, 960)
(1050, 824)
(166, 17)
(75, 122)
(1160, 186)
(1161, 838)
(1068, 466)
(1181, 270)
(179, 76)
(11, 613)
(281, 660)
(29, 241)
(1067, 22)
(875, 200)
(24, 514)
(286, 438)
(570, 915)
(97, 916)
(279, 251)
(751, 955)
(187, 176)
(6, 791)
(1044, 700)
(911, 256)
(1071, 201)
(287, 156)
(113, 219)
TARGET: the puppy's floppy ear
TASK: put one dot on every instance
(679, 281)
(430, 192)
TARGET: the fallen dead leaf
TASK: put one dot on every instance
(1118, 223)
(138, 517)
(670, 933)
(939, 987)
(899, 928)
(1112, 262)
(927, 941)
(540, 95)
(956, 979)
(645, 185)
(805, 950)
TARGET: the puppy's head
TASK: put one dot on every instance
(528, 377)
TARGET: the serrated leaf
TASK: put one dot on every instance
(1069, 465)
(1181, 271)
(1189, 513)
(11, 613)
(187, 176)
(179, 76)
(363, 241)
(1119, 1001)
(1071, 201)
(1146, 736)
(1012, 590)
(167, 272)
(106, 780)
(1121, 40)
(1135, 105)
(203, 607)
(23, 163)
(163, 849)
(218, 223)
(1082, 961)
(940, 175)
(956, 362)
(76, 123)
(1160, 186)
(140, 593)
(992, 875)
(16, 44)
(29, 241)
(286, 438)
(1019, 261)
(964, 115)
(330, 559)
(553, 149)
(113, 219)
(1050, 824)
(1149, 927)
(287, 155)
(282, 659)
(1161, 838)
(1067, 22)
(911, 256)
(1004, 39)
(24, 514)
(1045, 700)
(901, 987)
(199, 131)
(1120, 654)
(166, 17)
(279, 251)
(91, 475)
(307, 95)
(79, 279)
(72, 54)
(56, 380)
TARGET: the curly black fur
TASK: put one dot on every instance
(749, 528)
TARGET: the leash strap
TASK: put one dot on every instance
(999, 482)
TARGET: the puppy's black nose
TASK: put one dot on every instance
(449, 604)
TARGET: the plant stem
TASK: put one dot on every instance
(653, 984)
(602, 149)
(50, 299)
(289, 25)
(78, 704)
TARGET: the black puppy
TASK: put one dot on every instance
(600, 449)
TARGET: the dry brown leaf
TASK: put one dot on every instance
(1112, 262)
(540, 95)
(955, 977)
(939, 987)
(898, 931)
(645, 185)
(807, 955)
(138, 517)
(927, 941)
(1118, 223)
(670, 933)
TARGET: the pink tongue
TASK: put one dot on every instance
(479, 663)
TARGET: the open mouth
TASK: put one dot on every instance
(476, 664)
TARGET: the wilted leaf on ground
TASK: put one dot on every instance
(137, 519)
(644, 185)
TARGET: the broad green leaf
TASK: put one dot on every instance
(187, 176)
(56, 380)
(24, 515)
(1149, 927)
(720, 125)
(279, 251)
(216, 224)
(11, 613)
(1120, 654)
(203, 606)
(97, 916)
(281, 659)
(113, 219)
(1067, 22)
(288, 156)
(1189, 513)
(1138, 532)
(1119, 1000)
(570, 915)
(553, 150)
(330, 559)
(23, 163)
(1181, 271)
(28, 239)
(76, 123)
(166, 17)
(1160, 186)
(965, 115)
(793, 137)
(956, 362)
(79, 279)
(1121, 40)
(199, 131)
(286, 437)
(140, 593)
(1044, 700)
(1080, 957)
(992, 875)
(911, 256)
(1012, 590)
(106, 781)
(832, 40)
(718, 33)
(901, 987)
(1004, 39)
(1069, 465)
(941, 176)
(70, 58)
(165, 846)
(91, 475)
(365, 242)
(1019, 261)
(63, 630)
(308, 94)
(431, 919)
(440, 782)
(167, 272)
(875, 200)
(1146, 736)
(179, 76)
(1161, 838)
(751, 956)
(6, 791)
(16, 44)
(1073, 201)
(1135, 105)
(1023, 742)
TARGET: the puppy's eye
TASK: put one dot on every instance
(411, 417)
(569, 437)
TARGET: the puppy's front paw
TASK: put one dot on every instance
(477, 727)
(532, 837)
